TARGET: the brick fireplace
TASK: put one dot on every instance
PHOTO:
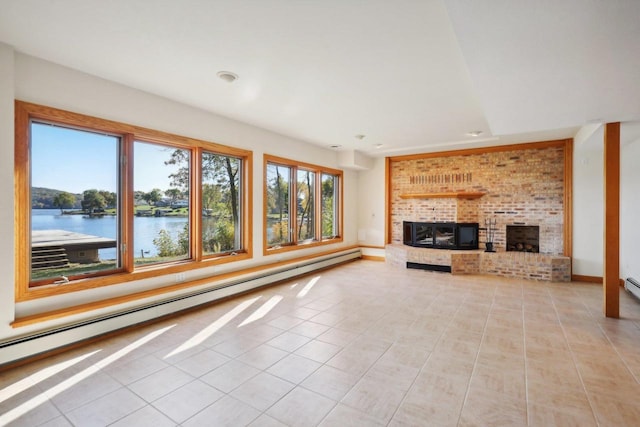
(517, 187)
(522, 185)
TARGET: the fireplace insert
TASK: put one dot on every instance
(523, 238)
(441, 235)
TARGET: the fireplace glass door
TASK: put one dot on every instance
(445, 236)
(424, 234)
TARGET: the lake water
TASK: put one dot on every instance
(145, 228)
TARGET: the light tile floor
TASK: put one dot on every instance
(362, 344)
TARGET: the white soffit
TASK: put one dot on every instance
(629, 133)
(354, 160)
(550, 64)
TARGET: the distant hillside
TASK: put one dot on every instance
(42, 198)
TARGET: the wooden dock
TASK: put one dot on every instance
(57, 248)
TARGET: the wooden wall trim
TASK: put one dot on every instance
(373, 258)
(588, 279)
(484, 150)
(372, 246)
(611, 262)
(592, 279)
(568, 199)
(387, 200)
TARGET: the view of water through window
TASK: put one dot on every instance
(77, 172)
(106, 199)
(76, 202)
(147, 228)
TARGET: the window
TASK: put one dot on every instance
(161, 203)
(278, 202)
(96, 200)
(75, 193)
(329, 205)
(221, 204)
(292, 214)
(305, 196)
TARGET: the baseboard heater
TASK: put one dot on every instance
(429, 267)
(33, 344)
(632, 286)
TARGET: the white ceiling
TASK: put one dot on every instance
(411, 75)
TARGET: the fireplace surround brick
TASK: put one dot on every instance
(522, 186)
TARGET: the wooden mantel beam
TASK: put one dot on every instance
(611, 262)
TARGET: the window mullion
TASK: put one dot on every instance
(195, 214)
(318, 205)
(293, 206)
(126, 203)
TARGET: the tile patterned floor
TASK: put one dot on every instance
(362, 344)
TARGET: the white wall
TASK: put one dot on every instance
(6, 189)
(588, 196)
(630, 200)
(371, 207)
(45, 83)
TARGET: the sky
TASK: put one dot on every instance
(74, 161)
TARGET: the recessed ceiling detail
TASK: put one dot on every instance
(227, 76)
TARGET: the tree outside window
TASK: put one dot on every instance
(293, 216)
(221, 204)
(278, 201)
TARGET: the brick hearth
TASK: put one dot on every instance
(520, 265)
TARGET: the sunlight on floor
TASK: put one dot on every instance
(308, 287)
(263, 310)
(201, 336)
(30, 404)
(40, 376)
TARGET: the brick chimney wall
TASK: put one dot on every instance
(522, 186)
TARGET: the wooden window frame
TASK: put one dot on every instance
(337, 215)
(243, 203)
(26, 112)
(293, 212)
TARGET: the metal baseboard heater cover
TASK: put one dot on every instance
(632, 286)
(30, 345)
